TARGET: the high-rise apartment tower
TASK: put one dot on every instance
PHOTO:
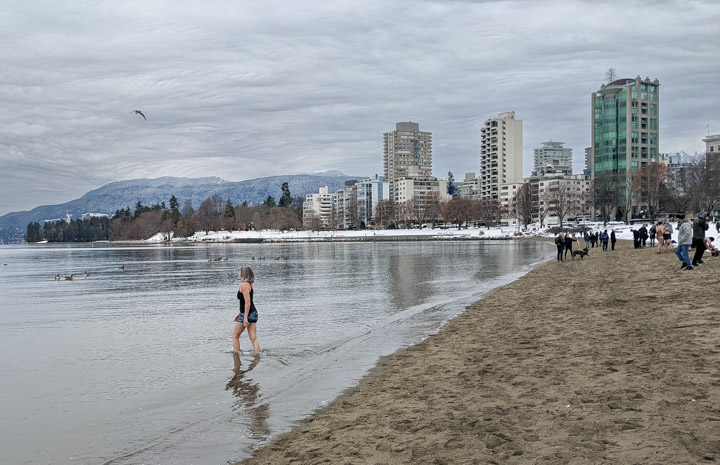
(501, 154)
(403, 148)
(625, 130)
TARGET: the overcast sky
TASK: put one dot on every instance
(242, 90)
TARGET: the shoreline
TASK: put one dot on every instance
(612, 365)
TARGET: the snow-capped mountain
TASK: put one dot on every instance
(123, 194)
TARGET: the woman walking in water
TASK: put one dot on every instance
(248, 316)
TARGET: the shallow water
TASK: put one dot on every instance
(132, 365)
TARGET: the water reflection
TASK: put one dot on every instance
(248, 395)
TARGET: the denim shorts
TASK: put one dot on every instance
(252, 317)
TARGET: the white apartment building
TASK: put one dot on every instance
(553, 156)
(404, 148)
(506, 198)
(470, 186)
(576, 186)
(501, 154)
(422, 189)
(318, 209)
(369, 193)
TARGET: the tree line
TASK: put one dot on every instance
(213, 214)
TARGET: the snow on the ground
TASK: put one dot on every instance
(622, 231)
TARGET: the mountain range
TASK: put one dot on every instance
(122, 194)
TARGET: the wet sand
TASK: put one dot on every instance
(612, 359)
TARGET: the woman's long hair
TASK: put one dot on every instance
(247, 275)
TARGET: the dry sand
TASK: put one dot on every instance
(614, 359)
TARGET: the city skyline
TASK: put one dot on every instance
(237, 91)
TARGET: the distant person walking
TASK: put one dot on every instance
(560, 243)
(667, 233)
(698, 239)
(660, 232)
(652, 235)
(685, 236)
(604, 239)
(586, 236)
(248, 316)
(569, 244)
(613, 239)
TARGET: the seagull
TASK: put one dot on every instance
(138, 112)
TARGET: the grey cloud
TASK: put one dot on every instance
(247, 90)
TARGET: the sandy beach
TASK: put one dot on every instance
(610, 359)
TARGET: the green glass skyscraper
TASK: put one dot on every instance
(625, 132)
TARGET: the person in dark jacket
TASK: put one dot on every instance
(569, 244)
(636, 238)
(613, 239)
(699, 227)
(604, 239)
(643, 235)
(560, 243)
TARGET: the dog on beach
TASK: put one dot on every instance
(582, 253)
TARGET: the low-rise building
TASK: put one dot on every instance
(318, 209)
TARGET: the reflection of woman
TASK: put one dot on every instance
(248, 394)
(248, 316)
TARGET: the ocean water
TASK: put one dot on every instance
(133, 364)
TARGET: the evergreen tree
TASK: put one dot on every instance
(451, 188)
(174, 203)
(270, 202)
(33, 233)
(286, 199)
(229, 214)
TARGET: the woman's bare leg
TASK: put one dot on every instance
(252, 332)
(237, 331)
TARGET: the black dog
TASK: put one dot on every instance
(582, 253)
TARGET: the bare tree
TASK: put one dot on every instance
(522, 205)
(209, 213)
(426, 208)
(459, 210)
(560, 199)
(488, 211)
(610, 75)
(606, 195)
(284, 218)
(432, 209)
(406, 212)
(702, 185)
(385, 213)
(313, 224)
(647, 185)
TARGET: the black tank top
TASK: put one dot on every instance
(242, 301)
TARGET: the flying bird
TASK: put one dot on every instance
(138, 112)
